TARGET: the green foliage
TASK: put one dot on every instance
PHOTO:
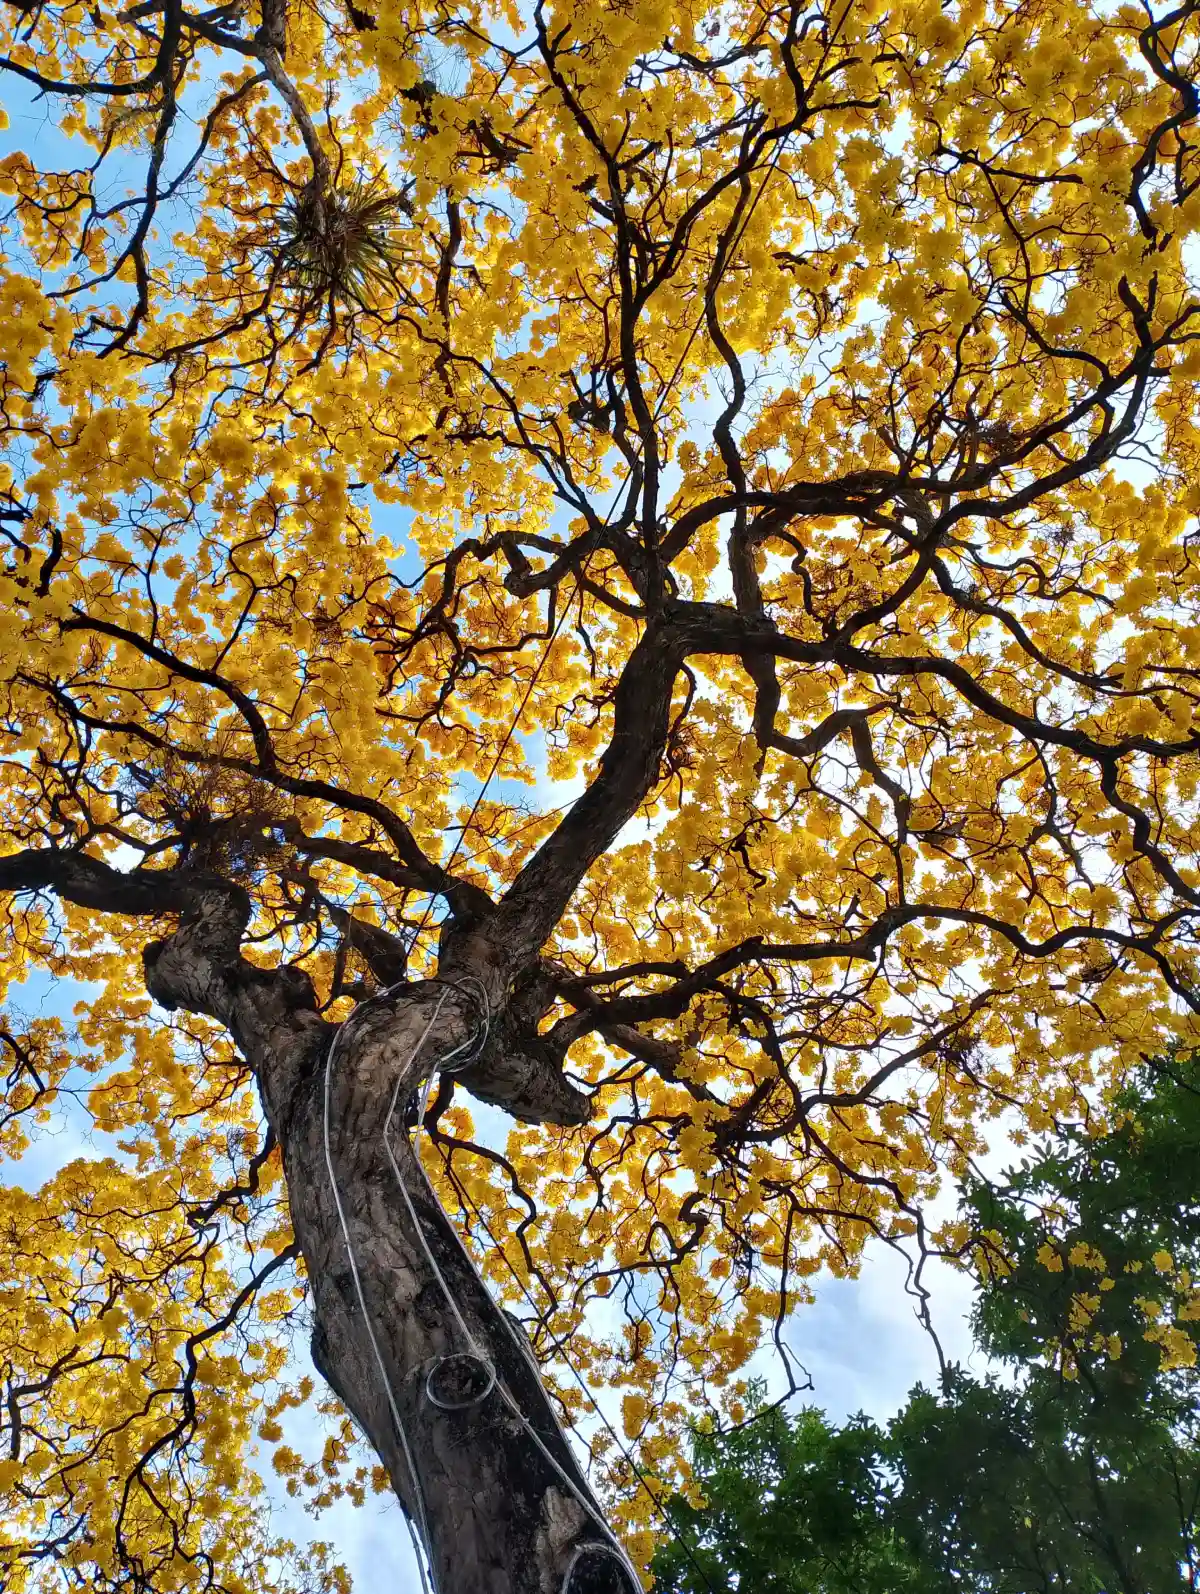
(1074, 1468)
(793, 1507)
(1098, 1236)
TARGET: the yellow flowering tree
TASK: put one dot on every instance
(660, 536)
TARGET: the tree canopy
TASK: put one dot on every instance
(682, 514)
(1073, 1469)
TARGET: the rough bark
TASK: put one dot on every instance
(501, 1497)
(493, 1488)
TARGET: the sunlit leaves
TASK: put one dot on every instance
(373, 383)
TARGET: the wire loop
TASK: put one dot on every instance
(598, 1551)
(459, 1381)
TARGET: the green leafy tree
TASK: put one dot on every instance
(791, 1506)
(1074, 1468)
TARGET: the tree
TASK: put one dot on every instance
(791, 1506)
(656, 542)
(1075, 1471)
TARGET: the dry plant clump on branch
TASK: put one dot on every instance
(344, 245)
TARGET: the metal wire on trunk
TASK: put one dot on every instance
(476, 1355)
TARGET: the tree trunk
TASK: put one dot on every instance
(436, 1375)
(462, 1423)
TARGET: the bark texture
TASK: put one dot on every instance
(493, 1487)
(496, 1487)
